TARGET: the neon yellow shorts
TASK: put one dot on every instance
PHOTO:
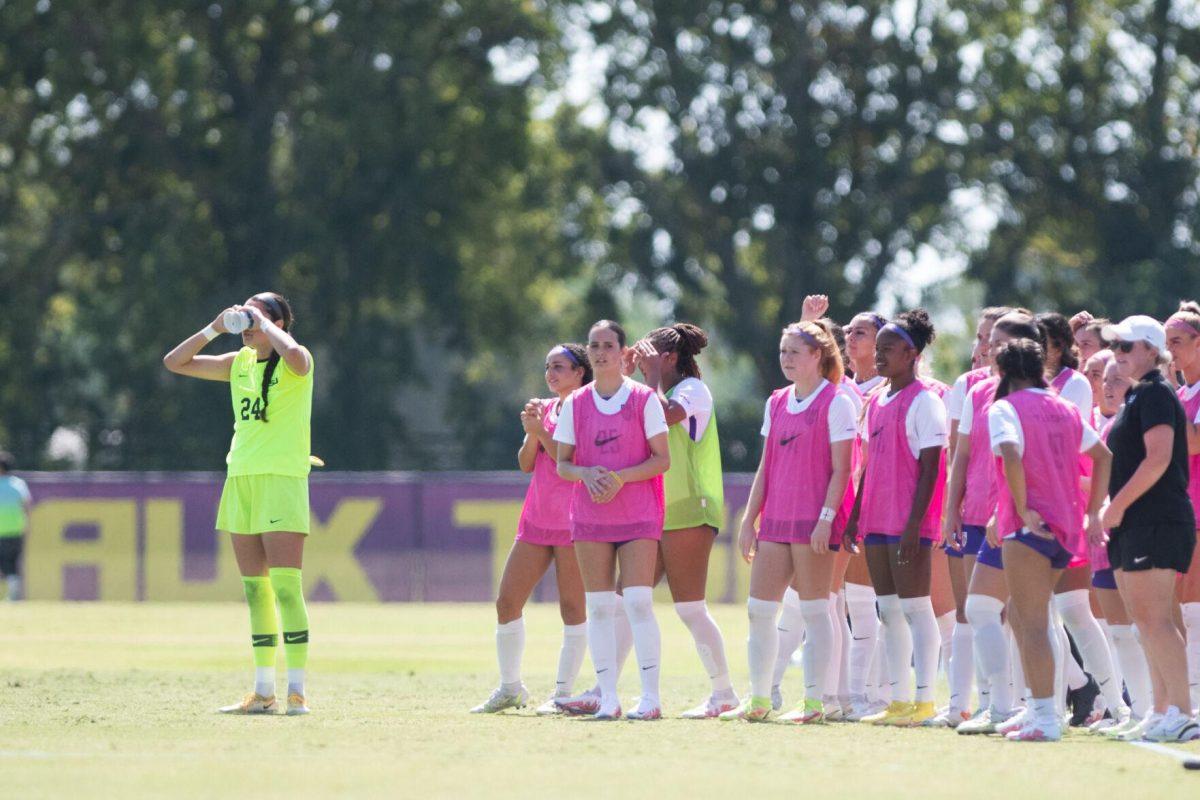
(263, 503)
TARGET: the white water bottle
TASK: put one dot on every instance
(237, 321)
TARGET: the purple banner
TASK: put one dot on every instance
(390, 537)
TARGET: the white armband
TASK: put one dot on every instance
(210, 332)
(827, 514)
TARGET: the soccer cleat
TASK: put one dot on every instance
(640, 714)
(859, 707)
(752, 709)
(810, 712)
(1084, 701)
(950, 718)
(501, 699)
(1134, 731)
(607, 716)
(1173, 726)
(918, 715)
(580, 705)
(710, 709)
(1035, 730)
(834, 711)
(1015, 722)
(252, 704)
(297, 706)
(548, 708)
(897, 709)
(984, 722)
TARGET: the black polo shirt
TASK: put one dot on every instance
(1151, 402)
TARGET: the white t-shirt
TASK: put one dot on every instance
(855, 398)
(1078, 392)
(1188, 393)
(843, 419)
(1004, 426)
(925, 424)
(696, 400)
(868, 385)
(654, 421)
(956, 397)
(967, 422)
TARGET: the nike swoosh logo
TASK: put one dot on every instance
(784, 442)
(1140, 560)
(272, 522)
(600, 671)
(652, 666)
(298, 638)
(876, 433)
(922, 687)
(601, 442)
(860, 638)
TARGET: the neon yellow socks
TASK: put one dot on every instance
(264, 632)
(289, 591)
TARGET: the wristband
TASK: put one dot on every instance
(827, 514)
(210, 332)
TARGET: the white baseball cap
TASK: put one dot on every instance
(1138, 328)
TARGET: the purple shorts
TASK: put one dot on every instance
(887, 538)
(974, 537)
(1104, 579)
(990, 556)
(1051, 548)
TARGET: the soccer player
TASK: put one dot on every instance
(1183, 342)
(14, 518)
(905, 431)
(1039, 520)
(809, 429)
(264, 504)
(693, 492)
(543, 538)
(612, 438)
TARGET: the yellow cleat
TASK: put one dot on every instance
(918, 715)
(252, 704)
(296, 705)
(895, 710)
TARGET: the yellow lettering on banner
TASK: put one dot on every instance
(498, 516)
(329, 550)
(164, 559)
(113, 552)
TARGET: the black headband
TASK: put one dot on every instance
(273, 305)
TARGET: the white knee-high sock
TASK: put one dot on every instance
(818, 647)
(762, 644)
(1065, 678)
(510, 645)
(709, 644)
(1191, 623)
(945, 625)
(864, 631)
(602, 642)
(647, 641)
(1020, 687)
(835, 677)
(1075, 607)
(791, 631)
(1135, 668)
(898, 641)
(927, 644)
(570, 658)
(1112, 648)
(962, 666)
(623, 633)
(991, 647)
(844, 649)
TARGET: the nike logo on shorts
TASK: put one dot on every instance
(1140, 560)
(272, 522)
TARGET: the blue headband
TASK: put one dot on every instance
(903, 334)
(562, 351)
(796, 330)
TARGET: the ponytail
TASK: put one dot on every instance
(685, 340)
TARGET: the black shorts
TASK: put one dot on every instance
(10, 554)
(1152, 547)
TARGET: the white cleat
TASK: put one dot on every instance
(1135, 729)
(1035, 730)
(859, 707)
(580, 705)
(501, 699)
(1174, 726)
(252, 704)
(549, 708)
(711, 708)
(1014, 723)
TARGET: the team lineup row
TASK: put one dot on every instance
(1053, 485)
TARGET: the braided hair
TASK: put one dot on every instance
(279, 311)
(684, 339)
(1020, 359)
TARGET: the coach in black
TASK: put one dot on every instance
(1150, 517)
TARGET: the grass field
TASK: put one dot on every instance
(117, 701)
